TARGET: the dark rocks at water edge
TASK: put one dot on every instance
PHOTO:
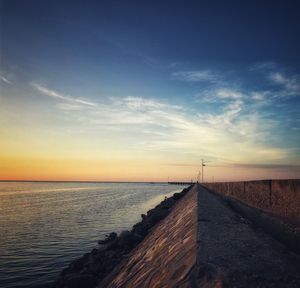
(91, 268)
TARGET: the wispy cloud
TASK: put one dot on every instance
(229, 94)
(170, 128)
(240, 118)
(68, 99)
(290, 84)
(282, 167)
(4, 79)
(197, 76)
(265, 166)
(259, 95)
(232, 102)
(182, 164)
(236, 130)
(263, 66)
(284, 83)
(219, 94)
(140, 103)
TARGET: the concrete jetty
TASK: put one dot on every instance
(203, 242)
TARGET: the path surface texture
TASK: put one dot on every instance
(204, 243)
(233, 253)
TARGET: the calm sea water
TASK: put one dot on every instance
(45, 225)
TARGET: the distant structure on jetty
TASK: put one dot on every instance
(181, 183)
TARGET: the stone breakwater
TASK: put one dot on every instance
(89, 270)
(166, 256)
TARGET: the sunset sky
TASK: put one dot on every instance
(143, 90)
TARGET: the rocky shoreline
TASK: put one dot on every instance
(90, 269)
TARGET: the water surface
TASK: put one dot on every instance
(45, 225)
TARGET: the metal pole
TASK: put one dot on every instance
(202, 164)
(202, 169)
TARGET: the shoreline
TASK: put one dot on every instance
(90, 269)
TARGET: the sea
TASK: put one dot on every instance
(46, 225)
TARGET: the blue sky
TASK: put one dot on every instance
(160, 84)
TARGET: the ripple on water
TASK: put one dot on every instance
(45, 225)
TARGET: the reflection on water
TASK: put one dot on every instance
(44, 225)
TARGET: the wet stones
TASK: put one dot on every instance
(110, 237)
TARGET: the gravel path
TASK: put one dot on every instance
(233, 253)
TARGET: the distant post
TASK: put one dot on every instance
(198, 176)
(202, 165)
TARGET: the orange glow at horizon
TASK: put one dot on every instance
(35, 169)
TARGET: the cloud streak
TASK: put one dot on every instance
(229, 94)
(4, 79)
(167, 128)
(265, 166)
(197, 76)
(290, 84)
(70, 100)
(284, 84)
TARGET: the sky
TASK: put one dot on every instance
(143, 90)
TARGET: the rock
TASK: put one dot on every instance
(177, 196)
(157, 215)
(140, 229)
(81, 281)
(126, 239)
(110, 237)
(77, 264)
(137, 237)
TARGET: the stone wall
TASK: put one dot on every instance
(279, 197)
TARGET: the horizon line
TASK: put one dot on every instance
(110, 181)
